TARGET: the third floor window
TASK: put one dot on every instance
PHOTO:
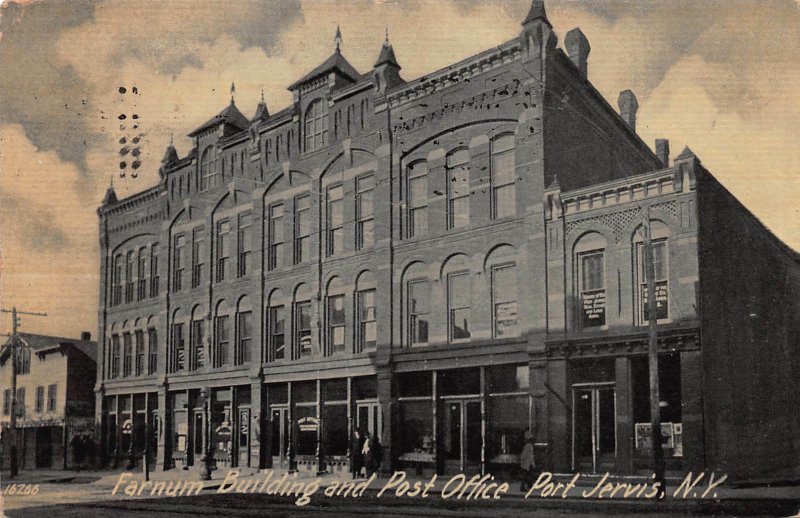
(458, 189)
(302, 229)
(335, 241)
(223, 249)
(365, 212)
(275, 229)
(503, 177)
(417, 199)
(316, 126)
(245, 246)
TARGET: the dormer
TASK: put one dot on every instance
(225, 123)
(334, 73)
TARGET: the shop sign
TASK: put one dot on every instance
(81, 426)
(594, 308)
(308, 424)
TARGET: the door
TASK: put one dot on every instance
(198, 430)
(243, 440)
(462, 435)
(368, 418)
(155, 425)
(594, 441)
(44, 447)
(279, 437)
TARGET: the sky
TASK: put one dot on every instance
(719, 76)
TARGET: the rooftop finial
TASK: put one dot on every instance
(112, 181)
(338, 38)
(536, 12)
(171, 138)
(233, 91)
(262, 95)
(387, 34)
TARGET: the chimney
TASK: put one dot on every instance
(86, 335)
(662, 151)
(578, 50)
(628, 105)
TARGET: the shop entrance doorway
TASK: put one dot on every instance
(368, 418)
(279, 437)
(594, 441)
(243, 439)
(462, 435)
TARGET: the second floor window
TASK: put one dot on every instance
(244, 338)
(197, 344)
(179, 262)
(277, 333)
(503, 177)
(458, 189)
(152, 343)
(335, 324)
(417, 199)
(419, 294)
(178, 347)
(198, 256)
(365, 212)
(366, 323)
(458, 306)
(592, 286)
(316, 126)
(139, 361)
(223, 249)
(127, 359)
(223, 341)
(661, 278)
(114, 371)
(51, 397)
(7, 402)
(335, 221)
(302, 333)
(39, 399)
(245, 243)
(302, 229)
(504, 301)
(275, 229)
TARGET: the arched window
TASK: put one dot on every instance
(276, 327)
(197, 335)
(458, 277)
(418, 305)
(659, 236)
(501, 265)
(222, 335)
(208, 170)
(366, 314)
(316, 125)
(244, 332)
(591, 279)
(335, 317)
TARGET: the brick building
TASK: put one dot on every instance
(446, 262)
(55, 402)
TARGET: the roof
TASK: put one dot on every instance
(44, 342)
(230, 115)
(387, 56)
(336, 62)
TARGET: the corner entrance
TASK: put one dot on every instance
(594, 442)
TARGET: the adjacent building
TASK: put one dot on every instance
(445, 262)
(55, 402)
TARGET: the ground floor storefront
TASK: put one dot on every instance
(50, 444)
(587, 412)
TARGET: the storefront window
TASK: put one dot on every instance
(508, 421)
(415, 384)
(503, 379)
(334, 390)
(669, 387)
(306, 416)
(334, 426)
(460, 381)
(417, 425)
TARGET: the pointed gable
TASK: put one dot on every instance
(231, 117)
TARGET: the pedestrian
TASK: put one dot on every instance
(366, 451)
(356, 455)
(372, 459)
(527, 463)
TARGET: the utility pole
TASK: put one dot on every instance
(655, 399)
(14, 342)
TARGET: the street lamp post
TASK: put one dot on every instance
(208, 454)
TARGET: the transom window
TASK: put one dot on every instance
(316, 125)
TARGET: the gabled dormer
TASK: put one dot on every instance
(386, 73)
(335, 73)
(225, 123)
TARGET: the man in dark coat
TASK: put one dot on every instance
(356, 456)
(372, 455)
